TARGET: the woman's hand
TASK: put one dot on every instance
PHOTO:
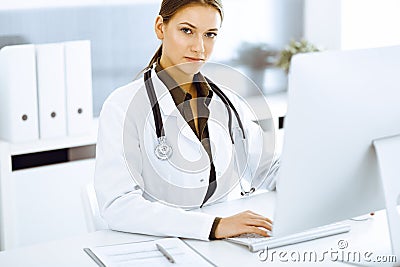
(242, 223)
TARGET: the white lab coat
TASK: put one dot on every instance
(126, 163)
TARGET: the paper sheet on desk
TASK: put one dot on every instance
(147, 254)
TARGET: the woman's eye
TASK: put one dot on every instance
(211, 35)
(186, 30)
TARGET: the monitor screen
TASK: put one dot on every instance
(339, 102)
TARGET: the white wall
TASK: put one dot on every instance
(22, 4)
(351, 24)
(322, 23)
(274, 22)
(370, 23)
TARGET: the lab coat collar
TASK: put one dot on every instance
(165, 99)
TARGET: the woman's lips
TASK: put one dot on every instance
(193, 59)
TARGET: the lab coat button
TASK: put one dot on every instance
(219, 173)
(202, 180)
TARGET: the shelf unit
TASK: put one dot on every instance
(31, 197)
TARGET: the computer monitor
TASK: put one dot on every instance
(339, 102)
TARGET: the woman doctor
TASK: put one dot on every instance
(171, 140)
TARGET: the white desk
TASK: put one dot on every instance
(366, 236)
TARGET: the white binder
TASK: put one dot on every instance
(51, 90)
(18, 94)
(78, 74)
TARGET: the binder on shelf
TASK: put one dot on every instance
(18, 94)
(78, 74)
(51, 90)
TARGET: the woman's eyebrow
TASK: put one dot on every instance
(194, 27)
(188, 24)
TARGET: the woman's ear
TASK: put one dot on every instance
(159, 27)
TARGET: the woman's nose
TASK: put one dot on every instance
(198, 44)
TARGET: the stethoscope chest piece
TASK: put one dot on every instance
(163, 150)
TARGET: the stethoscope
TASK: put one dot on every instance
(163, 150)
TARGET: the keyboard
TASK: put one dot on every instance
(256, 242)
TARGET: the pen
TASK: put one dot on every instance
(165, 253)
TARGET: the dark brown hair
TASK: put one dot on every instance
(170, 7)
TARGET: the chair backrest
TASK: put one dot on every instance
(94, 221)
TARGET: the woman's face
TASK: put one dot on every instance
(188, 37)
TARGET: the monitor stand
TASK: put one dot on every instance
(388, 155)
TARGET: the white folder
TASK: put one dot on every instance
(18, 94)
(51, 90)
(78, 74)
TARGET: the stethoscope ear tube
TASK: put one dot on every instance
(229, 104)
(154, 104)
(247, 193)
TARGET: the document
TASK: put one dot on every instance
(160, 252)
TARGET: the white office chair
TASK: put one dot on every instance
(388, 151)
(94, 221)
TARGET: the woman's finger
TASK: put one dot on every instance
(258, 216)
(256, 230)
(260, 223)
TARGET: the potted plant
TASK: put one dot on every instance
(292, 49)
